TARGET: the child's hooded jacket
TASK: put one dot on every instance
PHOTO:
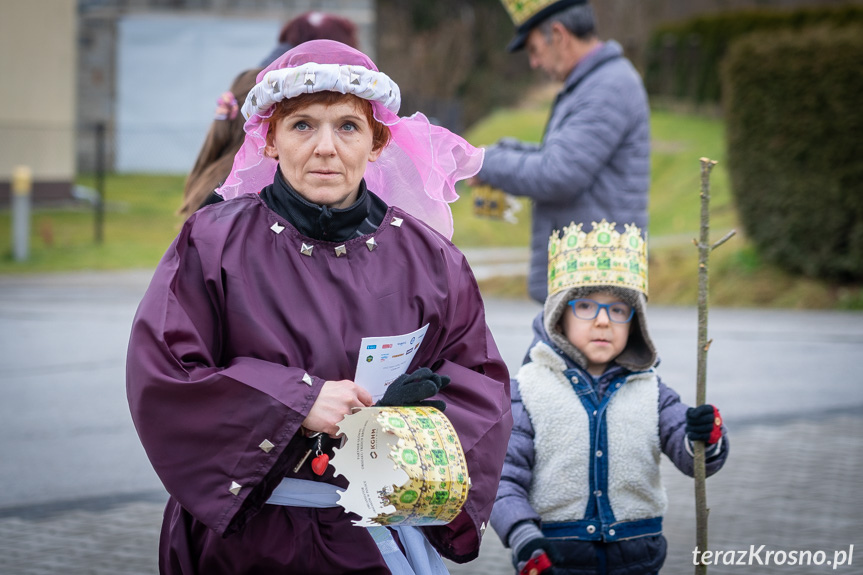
(583, 459)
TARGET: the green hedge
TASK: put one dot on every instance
(683, 58)
(793, 104)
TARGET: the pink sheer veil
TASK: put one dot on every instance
(417, 171)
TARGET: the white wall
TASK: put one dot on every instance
(170, 70)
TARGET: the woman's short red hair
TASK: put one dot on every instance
(380, 132)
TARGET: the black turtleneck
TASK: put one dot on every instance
(321, 222)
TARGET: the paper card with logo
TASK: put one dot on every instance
(405, 465)
(382, 359)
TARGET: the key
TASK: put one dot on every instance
(302, 460)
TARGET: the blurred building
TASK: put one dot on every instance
(150, 71)
(37, 95)
(144, 74)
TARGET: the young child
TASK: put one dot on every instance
(581, 490)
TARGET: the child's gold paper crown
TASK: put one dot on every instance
(603, 257)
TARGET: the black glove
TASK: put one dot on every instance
(537, 556)
(411, 389)
(703, 423)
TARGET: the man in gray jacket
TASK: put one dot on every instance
(594, 159)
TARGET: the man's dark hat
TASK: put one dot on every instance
(527, 14)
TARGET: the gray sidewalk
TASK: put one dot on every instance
(79, 496)
(792, 486)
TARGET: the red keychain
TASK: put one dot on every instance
(321, 460)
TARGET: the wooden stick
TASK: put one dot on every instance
(704, 249)
(701, 510)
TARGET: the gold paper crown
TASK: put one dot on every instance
(406, 466)
(494, 204)
(603, 257)
(430, 452)
(523, 10)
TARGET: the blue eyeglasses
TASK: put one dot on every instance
(618, 312)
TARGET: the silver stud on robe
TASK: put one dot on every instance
(341, 250)
(307, 379)
(371, 244)
(397, 222)
(482, 529)
(266, 446)
(235, 488)
(310, 79)
(276, 227)
(306, 250)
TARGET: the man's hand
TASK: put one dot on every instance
(336, 400)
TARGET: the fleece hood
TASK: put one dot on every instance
(639, 353)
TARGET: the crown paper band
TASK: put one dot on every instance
(603, 257)
(406, 466)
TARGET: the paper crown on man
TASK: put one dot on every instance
(528, 14)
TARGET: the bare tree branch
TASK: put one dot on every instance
(704, 249)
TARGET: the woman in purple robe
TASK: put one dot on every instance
(244, 347)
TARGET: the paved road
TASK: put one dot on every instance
(79, 496)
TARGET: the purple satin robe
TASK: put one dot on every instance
(234, 318)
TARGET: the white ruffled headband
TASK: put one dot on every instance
(279, 85)
(418, 169)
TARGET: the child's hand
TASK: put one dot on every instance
(537, 556)
(703, 423)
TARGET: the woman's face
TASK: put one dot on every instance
(323, 151)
